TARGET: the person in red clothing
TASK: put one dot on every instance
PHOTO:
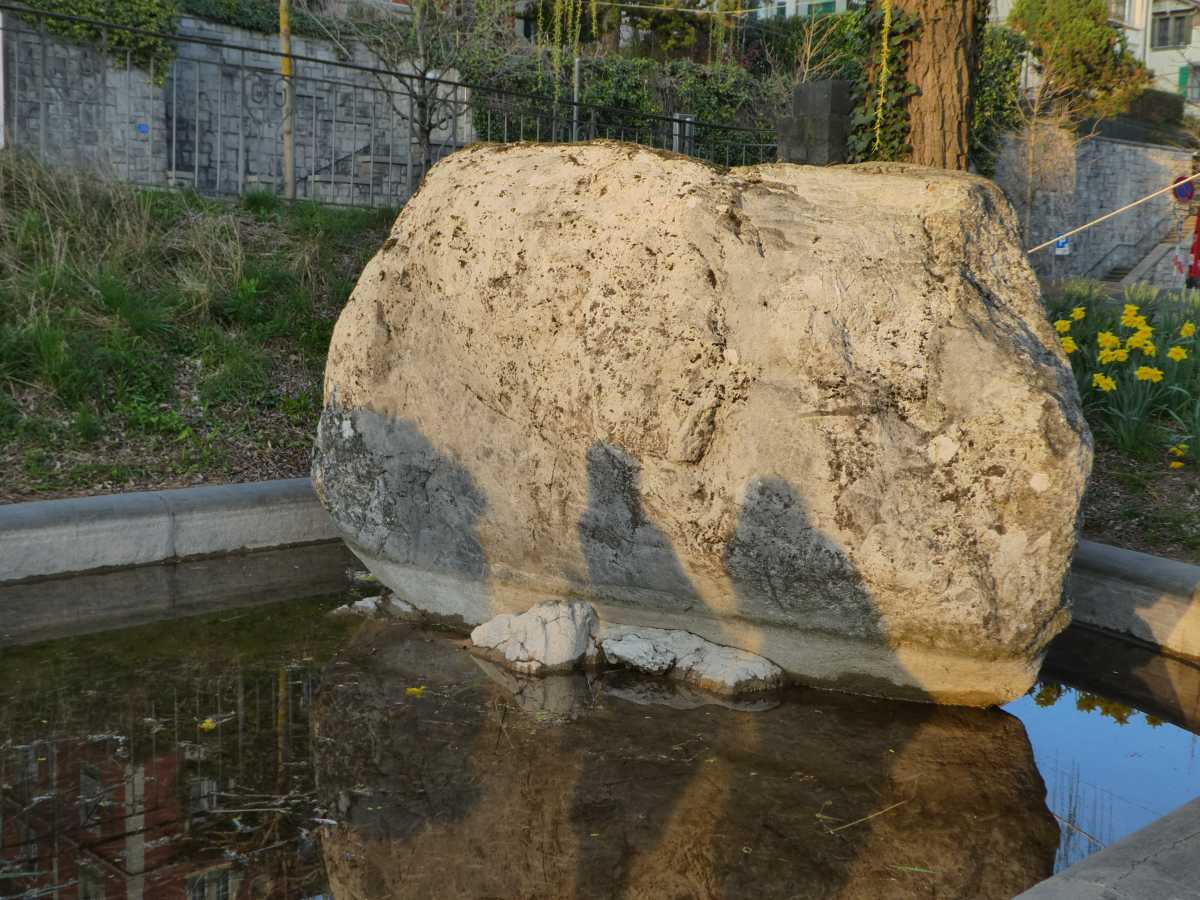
(1193, 274)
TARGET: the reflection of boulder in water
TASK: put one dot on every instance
(461, 793)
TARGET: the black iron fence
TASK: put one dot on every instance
(197, 110)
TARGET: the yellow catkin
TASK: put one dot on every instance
(884, 70)
(560, 11)
(578, 27)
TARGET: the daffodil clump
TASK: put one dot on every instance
(1135, 364)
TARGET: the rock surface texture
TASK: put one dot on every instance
(814, 413)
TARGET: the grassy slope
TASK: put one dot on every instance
(151, 339)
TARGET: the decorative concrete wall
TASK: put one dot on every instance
(1074, 181)
(214, 119)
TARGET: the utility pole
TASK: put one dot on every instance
(3, 66)
(289, 99)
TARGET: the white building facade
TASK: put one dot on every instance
(1162, 34)
(782, 9)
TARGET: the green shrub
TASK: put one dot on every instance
(145, 51)
(997, 99)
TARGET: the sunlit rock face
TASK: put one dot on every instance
(491, 785)
(813, 413)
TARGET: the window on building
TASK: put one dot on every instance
(91, 884)
(781, 9)
(821, 9)
(1118, 10)
(1171, 30)
(1193, 83)
(90, 792)
(202, 796)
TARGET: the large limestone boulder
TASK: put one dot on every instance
(813, 413)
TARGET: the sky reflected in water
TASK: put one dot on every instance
(1109, 769)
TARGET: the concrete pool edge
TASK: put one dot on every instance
(54, 538)
(1156, 863)
(1132, 594)
(1120, 591)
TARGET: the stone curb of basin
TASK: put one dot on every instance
(1137, 595)
(1134, 594)
(1157, 863)
(49, 538)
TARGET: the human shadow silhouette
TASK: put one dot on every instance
(782, 567)
(629, 559)
(411, 513)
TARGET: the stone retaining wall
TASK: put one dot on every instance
(1075, 181)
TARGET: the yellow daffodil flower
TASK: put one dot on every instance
(1078, 313)
(1062, 326)
(1106, 340)
(1111, 356)
(1146, 373)
(1069, 345)
(208, 725)
(1178, 354)
(1104, 382)
(1187, 329)
(1141, 338)
(1134, 321)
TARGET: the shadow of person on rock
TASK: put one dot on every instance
(782, 568)
(629, 559)
(413, 511)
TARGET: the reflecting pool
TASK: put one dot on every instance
(280, 752)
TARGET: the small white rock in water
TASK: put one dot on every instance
(639, 653)
(393, 606)
(368, 606)
(383, 606)
(551, 637)
(690, 658)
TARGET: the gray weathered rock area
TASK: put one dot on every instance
(816, 414)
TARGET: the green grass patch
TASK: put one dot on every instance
(162, 314)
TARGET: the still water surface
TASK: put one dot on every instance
(277, 752)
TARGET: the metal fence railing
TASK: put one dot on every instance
(209, 115)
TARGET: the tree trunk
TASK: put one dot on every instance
(941, 64)
(424, 123)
